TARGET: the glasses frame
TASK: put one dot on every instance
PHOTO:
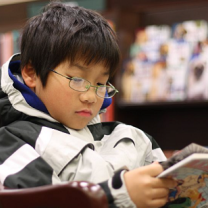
(90, 85)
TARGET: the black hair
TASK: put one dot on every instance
(61, 33)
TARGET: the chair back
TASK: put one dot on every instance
(65, 195)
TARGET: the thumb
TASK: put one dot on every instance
(153, 169)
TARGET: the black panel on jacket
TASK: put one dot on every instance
(40, 176)
(100, 129)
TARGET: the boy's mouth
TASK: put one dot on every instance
(84, 113)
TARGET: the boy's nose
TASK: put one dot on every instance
(89, 96)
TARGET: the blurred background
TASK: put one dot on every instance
(163, 75)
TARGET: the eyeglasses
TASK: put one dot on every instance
(82, 85)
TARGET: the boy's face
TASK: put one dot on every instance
(72, 108)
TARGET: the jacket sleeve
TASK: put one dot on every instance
(20, 165)
(116, 191)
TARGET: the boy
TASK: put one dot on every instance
(50, 103)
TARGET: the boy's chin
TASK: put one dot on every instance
(77, 127)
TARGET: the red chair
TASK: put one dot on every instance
(66, 195)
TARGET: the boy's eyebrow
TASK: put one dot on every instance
(106, 73)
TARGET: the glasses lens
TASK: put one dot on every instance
(110, 91)
(79, 84)
(106, 91)
(101, 91)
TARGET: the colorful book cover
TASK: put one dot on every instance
(16, 41)
(6, 46)
(1, 50)
(179, 54)
(190, 168)
(197, 78)
(144, 77)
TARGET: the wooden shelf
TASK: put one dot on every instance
(165, 104)
(173, 125)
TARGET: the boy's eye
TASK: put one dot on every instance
(77, 79)
(99, 84)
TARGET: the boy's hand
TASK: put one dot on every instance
(145, 190)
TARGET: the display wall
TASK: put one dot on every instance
(177, 122)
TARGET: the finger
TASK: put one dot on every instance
(158, 202)
(160, 193)
(164, 183)
(169, 183)
(153, 169)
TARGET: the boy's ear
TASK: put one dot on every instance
(29, 75)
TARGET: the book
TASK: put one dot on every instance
(6, 46)
(16, 34)
(190, 168)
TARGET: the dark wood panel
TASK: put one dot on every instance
(13, 16)
(153, 5)
(172, 127)
(171, 16)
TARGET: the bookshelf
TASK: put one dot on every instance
(13, 15)
(173, 124)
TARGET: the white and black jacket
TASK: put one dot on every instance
(37, 150)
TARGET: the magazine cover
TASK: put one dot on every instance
(179, 54)
(144, 75)
(197, 78)
(196, 30)
(190, 168)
